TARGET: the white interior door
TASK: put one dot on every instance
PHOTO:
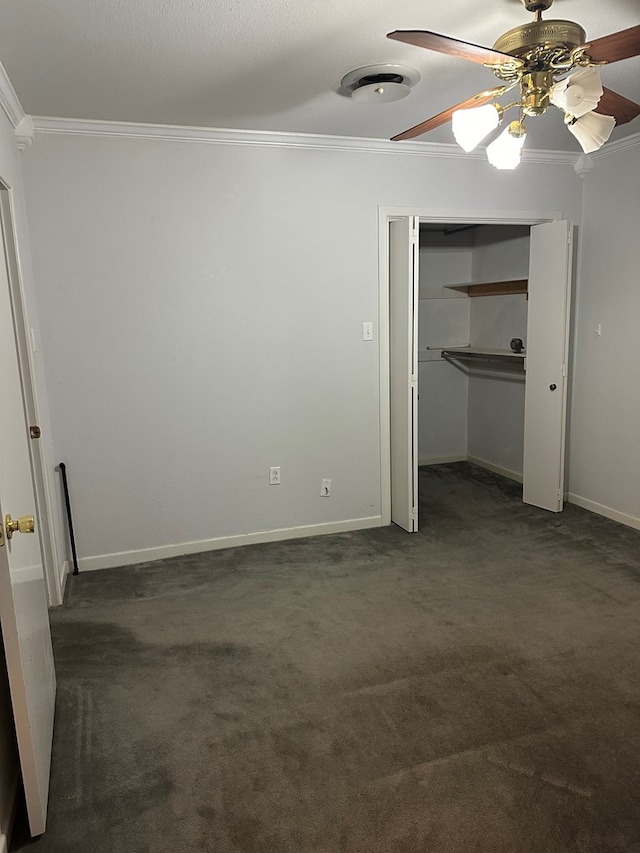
(547, 354)
(23, 602)
(403, 359)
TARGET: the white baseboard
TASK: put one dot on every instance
(475, 460)
(441, 460)
(145, 555)
(496, 469)
(606, 511)
(7, 815)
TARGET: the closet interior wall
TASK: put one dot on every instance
(469, 410)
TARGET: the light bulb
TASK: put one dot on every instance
(505, 151)
(471, 126)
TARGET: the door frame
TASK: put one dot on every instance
(462, 216)
(41, 466)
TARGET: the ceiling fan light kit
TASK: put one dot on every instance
(538, 58)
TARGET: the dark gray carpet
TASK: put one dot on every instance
(474, 687)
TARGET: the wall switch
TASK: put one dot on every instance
(367, 331)
(274, 476)
(325, 488)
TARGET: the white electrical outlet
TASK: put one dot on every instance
(367, 331)
(325, 488)
(274, 475)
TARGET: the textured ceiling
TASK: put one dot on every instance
(271, 64)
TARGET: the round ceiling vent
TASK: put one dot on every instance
(380, 83)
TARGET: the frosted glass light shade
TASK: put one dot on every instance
(505, 151)
(592, 130)
(471, 126)
(579, 93)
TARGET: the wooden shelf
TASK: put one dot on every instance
(490, 288)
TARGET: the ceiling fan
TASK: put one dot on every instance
(549, 62)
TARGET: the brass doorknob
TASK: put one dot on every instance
(26, 524)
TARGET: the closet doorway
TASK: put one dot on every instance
(457, 296)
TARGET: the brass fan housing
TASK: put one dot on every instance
(554, 37)
(536, 91)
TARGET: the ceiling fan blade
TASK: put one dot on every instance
(454, 47)
(445, 116)
(617, 46)
(621, 108)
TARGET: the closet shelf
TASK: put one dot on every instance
(491, 288)
(486, 354)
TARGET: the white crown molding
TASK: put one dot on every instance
(9, 101)
(25, 132)
(222, 136)
(583, 165)
(615, 147)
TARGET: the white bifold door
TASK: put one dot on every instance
(546, 365)
(403, 366)
(23, 600)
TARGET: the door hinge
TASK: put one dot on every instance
(414, 513)
(413, 381)
(564, 369)
(559, 494)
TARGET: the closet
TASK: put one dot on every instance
(473, 283)
(458, 389)
(491, 346)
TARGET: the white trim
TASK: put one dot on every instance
(495, 469)
(63, 574)
(474, 460)
(25, 132)
(225, 136)
(617, 146)
(145, 555)
(9, 812)
(9, 101)
(606, 511)
(442, 460)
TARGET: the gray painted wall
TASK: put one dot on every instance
(443, 321)
(202, 308)
(604, 439)
(496, 400)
